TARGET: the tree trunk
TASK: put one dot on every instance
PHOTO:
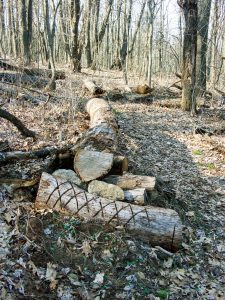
(189, 54)
(158, 226)
(202, 44)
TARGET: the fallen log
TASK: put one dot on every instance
(130, 181)
(92, 87)
(32, 71)
(90, 165)
(16, 122)
(102, 134)
(158, 226)
(142, 89)
(25, 155)
(136, 196)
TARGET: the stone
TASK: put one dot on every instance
(68, 175)
(106, 190)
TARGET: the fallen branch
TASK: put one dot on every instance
(41, 153)
(20, 126)
(158, 226)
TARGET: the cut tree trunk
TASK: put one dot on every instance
(102, 134)
(90, 165)
(158, 226)
(92, 87)
(20, 126)
(136, 196)
(130, 181)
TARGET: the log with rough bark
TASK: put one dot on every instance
(130, 181)
(25, 155)
(92, 87)
(158, 226)
(102, 134)
(16, 122)
(90, 165)
(136, 196)
(32, 71)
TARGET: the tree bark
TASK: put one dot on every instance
(102, 134)
(202, 44)
(190, 11)
(158, 226)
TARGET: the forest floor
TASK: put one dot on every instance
(45, 255)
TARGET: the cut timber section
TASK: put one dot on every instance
(102, 134)
(158, 226)
(90, 165)
(92, 87)
(130, 181)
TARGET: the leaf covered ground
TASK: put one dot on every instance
(45, 255)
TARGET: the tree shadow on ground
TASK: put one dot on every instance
(147, 139)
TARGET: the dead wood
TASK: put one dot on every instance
(32, 71)
(130, 181)
(92, 87)
(158, 226)
(136, 196)
(102, 134)
(90, 165)
(36, 154)
(20, 126)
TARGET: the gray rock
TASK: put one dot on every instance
(68, 175)
(106, 190)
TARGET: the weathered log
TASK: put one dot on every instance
(32, 71)
(40, 153)
(130, 181)
(102, 134)
(92, 87)
(16, 122)
(136, 196)
(90, 165)
(158, 226)
(142, 89)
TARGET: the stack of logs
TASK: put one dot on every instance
(102, 190)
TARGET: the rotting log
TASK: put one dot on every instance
(32, 71)
(90, 165)
(158, 226)
(16, 122)
(35, 154)
(102, 134)
(136, 196)
(130, 181)
(92, 87)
